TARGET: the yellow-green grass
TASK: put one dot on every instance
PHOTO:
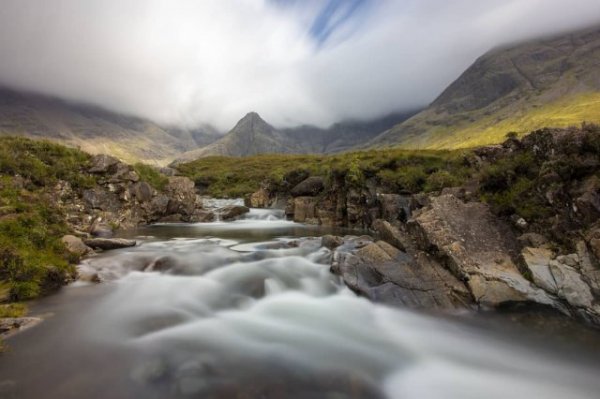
(567, 111)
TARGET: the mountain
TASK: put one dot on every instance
(96, 130)
(252, 136)
(549, 82)
(344, 135)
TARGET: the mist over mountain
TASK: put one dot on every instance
(551, 82)
(294, 62)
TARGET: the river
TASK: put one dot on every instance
(249, 309)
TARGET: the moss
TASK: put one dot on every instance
(151, 175)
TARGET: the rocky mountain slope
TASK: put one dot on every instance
(250, 136)
(550, 82)
(95, 130)
(253, 136)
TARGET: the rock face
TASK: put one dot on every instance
(309, 187)
(385, 274)
(121, 200)
(477, 248)
(75, 245)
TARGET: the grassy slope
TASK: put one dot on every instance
(397, 169)
(567, 111)
(32, 257)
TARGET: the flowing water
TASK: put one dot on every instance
(249, 309)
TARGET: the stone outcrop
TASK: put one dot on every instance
(120, 199)
(385, 274)
(109, 243)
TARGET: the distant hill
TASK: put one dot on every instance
(253, 136)
(96, 130)
(551, 82)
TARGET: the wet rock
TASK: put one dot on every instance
(477, 248)
(109, 243)
(309, 187)
(304, 209)
(202, 216)
(259, 199)
(331, 242)
(75, 245)
(384, 274)
(232, 212)
(389, 233)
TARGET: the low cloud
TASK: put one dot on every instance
(187, 62)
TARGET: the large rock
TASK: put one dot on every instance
(331, 242)
(259, 199)
(97, 198)
(305, 209)
(232, 212)
(561, 277)
(102, 163)
(109, 243)
(384, 274)
(478, 248)
(202, 216)
(309, 187)
(75, 245)
(142, 191)
(182, 196)
(389, 233)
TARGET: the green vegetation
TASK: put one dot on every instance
(151, 175)
(487, 127)
(32, 257)
(397, 170)
(13, 310)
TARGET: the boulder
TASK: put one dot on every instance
(102, 163)
(75, 245)
(231, 212)
(202, 216)
(309, 187)
(331, 242)
(104, 200)
(478, 248)
(259, 199)
(557, 277)
(304, 209)
(109, 243)
(384, 274)
(142, 191)
(182, 195)
(100, 229)
(389, 233)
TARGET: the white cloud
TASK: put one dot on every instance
(212, 61)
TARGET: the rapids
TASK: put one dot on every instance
(249, 309)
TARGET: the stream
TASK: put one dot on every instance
(249, 309)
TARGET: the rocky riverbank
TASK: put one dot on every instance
(523, 230)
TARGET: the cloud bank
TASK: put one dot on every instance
(187, 62)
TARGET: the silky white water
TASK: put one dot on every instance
(246, 309)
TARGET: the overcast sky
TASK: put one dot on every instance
(293, 61)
